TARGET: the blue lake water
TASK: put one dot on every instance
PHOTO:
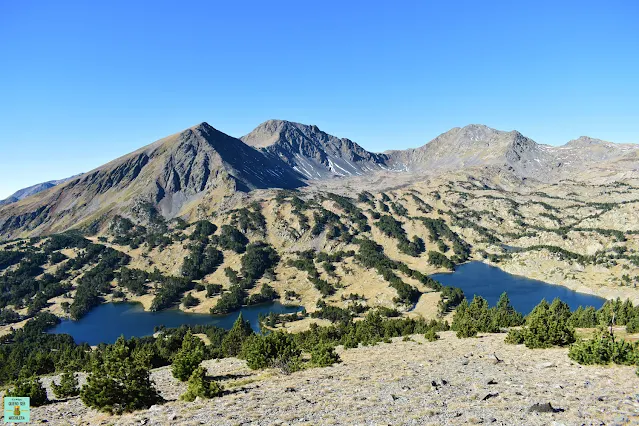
(478, 278)
(106, 322)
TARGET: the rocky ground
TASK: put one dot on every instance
(450, 381)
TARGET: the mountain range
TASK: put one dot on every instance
(197, 169)
(32, 190)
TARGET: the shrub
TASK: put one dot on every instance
(603, 348)
(237, 335)
(633, 326)
(232, 239)
(68, 386)
(547, 325)
(202, 386)
(431, 335)
(437, 259)
(324, 355)
(504, 315)
(473, 318)
(188, 358)
(190, 300)
(213, 289)
(203, 228)
(264, 351)
(514, 337)
(120, 382)
(32, 388)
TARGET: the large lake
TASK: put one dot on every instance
(477, 278)
(106, 322)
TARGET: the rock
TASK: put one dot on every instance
(464, 362)
(490, 395)
(544, 408)
(621, 419)
(545, 365)
(494, 359)
(491, 382)
(155, 407)
(171, 417)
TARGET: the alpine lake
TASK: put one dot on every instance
(107, 322)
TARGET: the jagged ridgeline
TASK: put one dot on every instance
(208, 223)
(196, 172)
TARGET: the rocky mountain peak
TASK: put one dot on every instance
(582, 141)
(312, 152)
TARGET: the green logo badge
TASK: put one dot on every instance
(17, 409)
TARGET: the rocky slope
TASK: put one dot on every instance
(450, 381)
(479, 145)
(200, 165)
(312, 152)
(195, 172)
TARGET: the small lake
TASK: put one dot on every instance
(106, 322)
(489, 282)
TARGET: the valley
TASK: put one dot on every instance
(212, 225)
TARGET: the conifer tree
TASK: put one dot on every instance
(68, 386)
(32, 388)
(120, 381)
(188, 357)
(241, 330)
(200, 385)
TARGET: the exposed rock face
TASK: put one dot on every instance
(313, 153)
(479, 145)
(201, 166)
(169, 174)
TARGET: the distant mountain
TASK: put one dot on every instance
(196, 170)
(175, 174)
(312, 152)
(478, 145)
(34, 189)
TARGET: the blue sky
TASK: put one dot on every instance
(83, 82)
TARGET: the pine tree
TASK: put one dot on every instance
(548, 325)
(265, 351)
(504, 315)
(431, 335)
(120, 381)
(202, 386)
(32, 388)
(324, 355)
(232, 343)
(188, 357)
(68, 386)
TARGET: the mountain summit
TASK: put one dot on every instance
(198, 168)
(173, 175)
(312, 152)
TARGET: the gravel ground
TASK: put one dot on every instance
(451, 381)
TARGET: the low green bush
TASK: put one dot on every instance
(199, 385)
(32, 388)
(604, 348)
(261, 351)
(324, 355)
(68, 386)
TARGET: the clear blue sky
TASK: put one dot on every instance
(82, 82)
